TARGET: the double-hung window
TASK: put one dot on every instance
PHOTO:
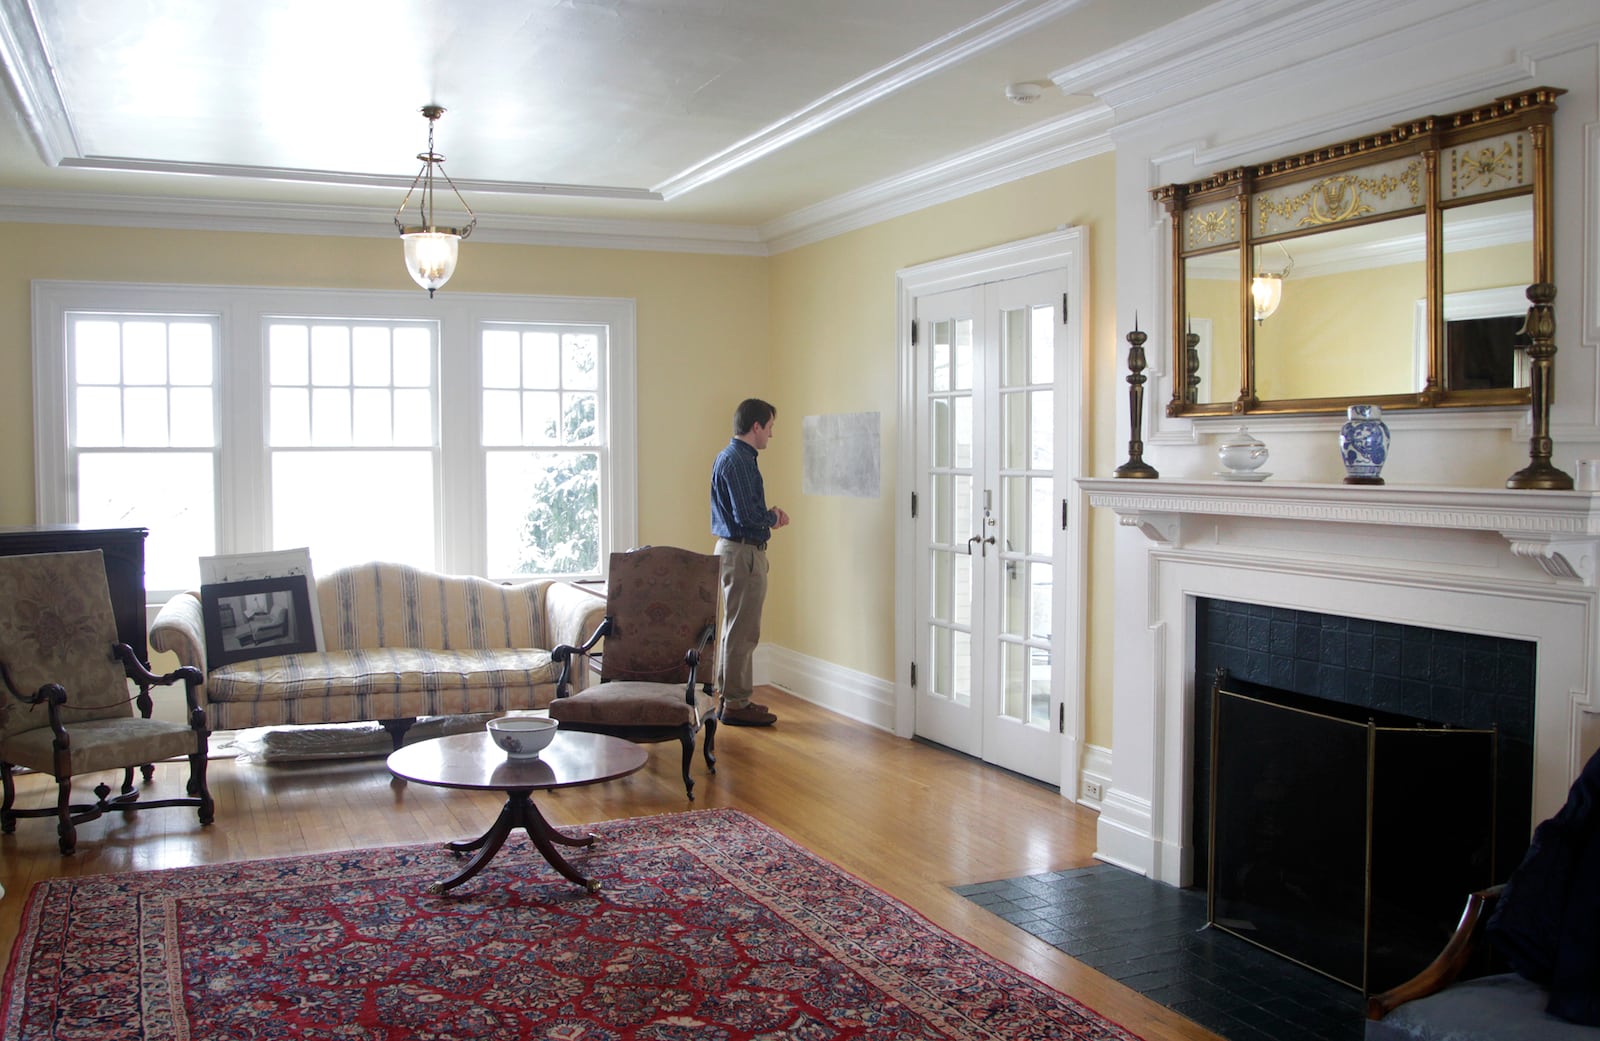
(352, 438)
(141, 417)
(472, 434)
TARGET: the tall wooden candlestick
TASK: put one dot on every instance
(1541, 327)
(1136, 466)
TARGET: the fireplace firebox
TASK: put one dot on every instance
(1451, 679)
(1341, 836)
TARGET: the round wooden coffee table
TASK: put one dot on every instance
(476, 763)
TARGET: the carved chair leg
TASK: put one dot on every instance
(127, 778)
(66, 831)
(8, 820)
(687, 737)
(709, 748)
(197, 787)
(149, 771)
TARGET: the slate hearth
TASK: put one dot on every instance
(1153, 938)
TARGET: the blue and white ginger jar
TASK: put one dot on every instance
(1364, 444)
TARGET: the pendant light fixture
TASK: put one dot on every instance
(431, 250)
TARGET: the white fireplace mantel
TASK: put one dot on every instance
(1492, 561)
(1558, 530)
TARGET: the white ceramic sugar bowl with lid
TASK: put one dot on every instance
(1241, 453)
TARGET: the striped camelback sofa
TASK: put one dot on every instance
(399, 643)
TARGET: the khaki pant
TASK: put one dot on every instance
(744, 590)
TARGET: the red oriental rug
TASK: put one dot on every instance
(710, 926)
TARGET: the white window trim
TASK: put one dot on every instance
(245, 514)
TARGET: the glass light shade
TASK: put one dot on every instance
(1266, 293)
(431, 257)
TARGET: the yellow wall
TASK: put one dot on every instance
(811, 330)
(1342, 335)
(833, 351)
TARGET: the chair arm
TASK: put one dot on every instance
(192, 679)
(692, 659)
(570, 614)
(566, 653)
(51, 695)
(180, 629)
(1445, 968)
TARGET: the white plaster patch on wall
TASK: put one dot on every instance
(841, 454)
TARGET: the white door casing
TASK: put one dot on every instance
(1026, 590)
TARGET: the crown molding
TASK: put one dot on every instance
(125, 164)
(37, 94)
(996, 27)
(1045, 147)
(1078, 136)
(124, 211)
(1219, 39)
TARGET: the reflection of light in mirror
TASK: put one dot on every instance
(1266, 293)
(1266, 288)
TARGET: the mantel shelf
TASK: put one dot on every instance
(1559, 529)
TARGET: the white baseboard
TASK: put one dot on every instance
(845, 691)
(1124, 836)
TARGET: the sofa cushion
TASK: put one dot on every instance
(390, 682)
(1490, 1008)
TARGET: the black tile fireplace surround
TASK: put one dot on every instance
(1457, 679)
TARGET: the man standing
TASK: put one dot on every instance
(743, 523)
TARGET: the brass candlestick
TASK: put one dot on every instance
(1136, 466)
(1191, 364)
(1541, 327)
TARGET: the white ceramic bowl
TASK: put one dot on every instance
(522, 737)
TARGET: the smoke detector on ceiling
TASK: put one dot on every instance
(1023, 93)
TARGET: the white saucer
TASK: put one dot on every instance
(1242, 475)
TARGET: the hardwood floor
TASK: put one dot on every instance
(908, 818)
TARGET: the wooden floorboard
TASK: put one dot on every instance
(911, 819)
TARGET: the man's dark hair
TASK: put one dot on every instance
(752, 412)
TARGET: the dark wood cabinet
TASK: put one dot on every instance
(123, 549)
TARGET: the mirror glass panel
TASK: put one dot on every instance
(1212, 302)
(1399, 264)
(1348, 313)
(1488, 262)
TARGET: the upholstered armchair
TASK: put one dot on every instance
(67, 710)
(657, 661)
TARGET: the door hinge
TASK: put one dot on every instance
(913, 674)
(913, 334)
(1063, 515)
(1061, 718)
(913, 505)
(1064, 309)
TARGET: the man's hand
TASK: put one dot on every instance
(783, 518)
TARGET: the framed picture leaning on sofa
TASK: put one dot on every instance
(257, 618)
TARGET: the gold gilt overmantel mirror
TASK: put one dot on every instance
(1391, 269)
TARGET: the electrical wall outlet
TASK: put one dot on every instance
(1091, 790)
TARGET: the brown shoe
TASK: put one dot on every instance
(748, 716)
(722, 703)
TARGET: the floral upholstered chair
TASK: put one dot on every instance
(658, 660)
(67, 709)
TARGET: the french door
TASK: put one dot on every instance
(991, 574)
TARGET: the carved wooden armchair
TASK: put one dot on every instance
(657, 662)
(66, 710)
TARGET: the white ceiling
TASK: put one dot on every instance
(743, 114)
